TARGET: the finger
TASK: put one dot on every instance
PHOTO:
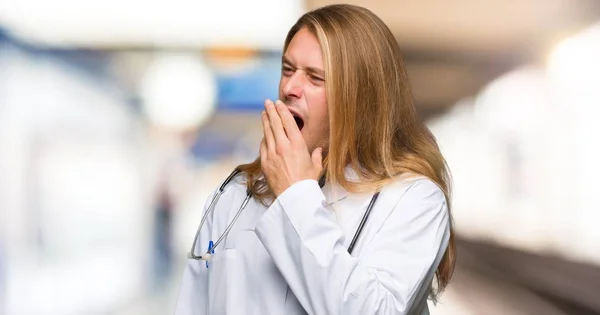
(276, 124)
(289, 124)
(269, 139)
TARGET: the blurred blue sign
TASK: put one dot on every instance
(248, 88)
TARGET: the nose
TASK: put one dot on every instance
(292, 86)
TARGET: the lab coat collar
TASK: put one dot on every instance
(334, 192)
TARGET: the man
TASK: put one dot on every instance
(377, 234)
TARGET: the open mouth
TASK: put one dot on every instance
(299, 122)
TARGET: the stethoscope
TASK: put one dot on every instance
(212, 245)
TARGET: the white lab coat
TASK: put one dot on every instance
(292, 257)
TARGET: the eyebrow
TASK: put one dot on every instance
(314, 70)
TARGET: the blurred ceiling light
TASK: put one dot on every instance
(179, 92)
(574, 66)
(176, 23)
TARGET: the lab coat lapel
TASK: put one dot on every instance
(334, 192)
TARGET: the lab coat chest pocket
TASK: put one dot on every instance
(223, 286)
(381, 211)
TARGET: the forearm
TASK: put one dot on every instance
(307, 246)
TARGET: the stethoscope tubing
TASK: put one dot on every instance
(208, 255)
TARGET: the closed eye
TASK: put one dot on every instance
(316, 78)
(287, 71)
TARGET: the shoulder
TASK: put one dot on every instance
(228, 187)
(235, 185)
(415, 189)
(417, 206)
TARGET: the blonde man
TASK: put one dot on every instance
(346, 210)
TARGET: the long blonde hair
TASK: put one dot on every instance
(373, 123)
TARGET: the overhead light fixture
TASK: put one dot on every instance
(574, 66)
(178, 92)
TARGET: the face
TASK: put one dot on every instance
(302, 88)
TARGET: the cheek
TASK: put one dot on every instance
(321, 100)
(319, 115)
(280, 88)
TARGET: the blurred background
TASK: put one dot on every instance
(118, 117)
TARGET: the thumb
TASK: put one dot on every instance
(317, 158)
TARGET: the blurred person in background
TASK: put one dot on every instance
(346, 210)
(163, 251)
